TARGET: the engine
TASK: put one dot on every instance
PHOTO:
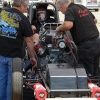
(53, 49)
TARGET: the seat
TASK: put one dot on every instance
(51, 15)
(33, 15)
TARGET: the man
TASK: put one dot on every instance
(14, 26)
(81, 23)
(41, 19)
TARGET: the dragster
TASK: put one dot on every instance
(58, 76)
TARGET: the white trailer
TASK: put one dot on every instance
(90, 4)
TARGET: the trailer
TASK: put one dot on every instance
(90, 4)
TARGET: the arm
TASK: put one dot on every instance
(67, 25)
(95, 20)
(36, 35)
(30, 45)
(68, 21)
(33, 28)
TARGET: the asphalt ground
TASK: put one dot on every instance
(28, 94)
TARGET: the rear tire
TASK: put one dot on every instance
(17, 79)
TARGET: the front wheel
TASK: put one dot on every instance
(17, 79)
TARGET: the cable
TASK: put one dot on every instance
(76, 65)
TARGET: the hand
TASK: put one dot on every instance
(33, 28)
(57, 30)
(58, 33)
(33, 61)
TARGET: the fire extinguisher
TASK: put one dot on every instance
(95, 90)
(40, 49)
(40, 92)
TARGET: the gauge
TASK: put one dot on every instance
(61, 44)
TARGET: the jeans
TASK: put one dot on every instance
(88, 55)
(5, 78)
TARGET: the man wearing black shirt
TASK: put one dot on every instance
(14, 26)
(81, 23)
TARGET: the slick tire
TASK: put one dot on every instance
(17, 79)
